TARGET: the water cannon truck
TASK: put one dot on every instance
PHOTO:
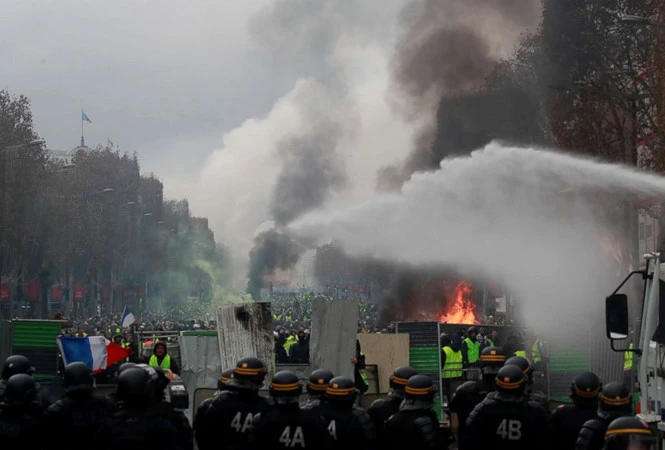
(648, 341)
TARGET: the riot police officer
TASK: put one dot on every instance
(223, 381)
(159, 381)
(628, 433)
(14, 365)
(567, 420)
(20, 415)
(80, 413)
(468, 395)
(614, 401)
(532, 393)
(380, 410)
(316, 386)
(415, 425)
(226, 422)
(222, 385)
(349, 426)
(136, 425)
(287, 425)
(506, 419)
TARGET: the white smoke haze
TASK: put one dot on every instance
(529, 218)
(342, 55)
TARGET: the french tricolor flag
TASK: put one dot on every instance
(96, 352)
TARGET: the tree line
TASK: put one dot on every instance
(91, 233)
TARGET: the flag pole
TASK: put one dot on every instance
(82, 141)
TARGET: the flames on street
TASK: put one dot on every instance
(462, 308)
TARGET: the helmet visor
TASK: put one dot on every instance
(641, 442)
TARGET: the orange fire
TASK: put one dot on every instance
(462, 309)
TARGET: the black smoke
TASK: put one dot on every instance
(272, 250)
(447, 77)
(311, 172)
(402, 291)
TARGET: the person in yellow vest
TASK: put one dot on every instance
(359, 374)
(451, 359)
(628, 359)
(539, 355)
(471, 349)
(451, 365)
(160, 358)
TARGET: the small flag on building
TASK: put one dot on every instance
(85, 118)
(127, 318)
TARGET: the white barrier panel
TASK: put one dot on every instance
(334, 335)
(245, 330)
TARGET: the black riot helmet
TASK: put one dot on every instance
(78, 377)
(491, 360)
(628, 433)
(419, 387)
(399, 379)
(224, 379)
(16, 364)
(251, 370)
(318, 381)
(341, 390)
(134, 387)
(472, 330)
(523, 364)
(614, 401)
(285, 387)
(585, 389)
(510, 379)
(20, 389)
(123, 367)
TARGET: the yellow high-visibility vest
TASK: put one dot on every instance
(535, 353)
(166, 362)
(472, 350)
(452, 367)
(521, 353)
(628, 359)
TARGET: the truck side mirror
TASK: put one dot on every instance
(616, 317)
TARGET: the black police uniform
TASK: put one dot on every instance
(348, 425)
(226, 421)
(530, 390)
(287, 425)
(382, 409)
(416, 424)
(505, 419)
(468, 395)
(21, 417)
(136, 426)
(567, 420)
(80, 413)
(166, 410)
(614, 401)
(465, 399)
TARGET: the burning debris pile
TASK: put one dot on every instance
(403, 293)
(462, 309)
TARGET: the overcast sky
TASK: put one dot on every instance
(164, 78)
(205, 90)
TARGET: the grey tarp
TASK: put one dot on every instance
(201, 366)
(334, 335)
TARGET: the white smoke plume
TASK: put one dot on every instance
(343, 53)
(533, 219)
